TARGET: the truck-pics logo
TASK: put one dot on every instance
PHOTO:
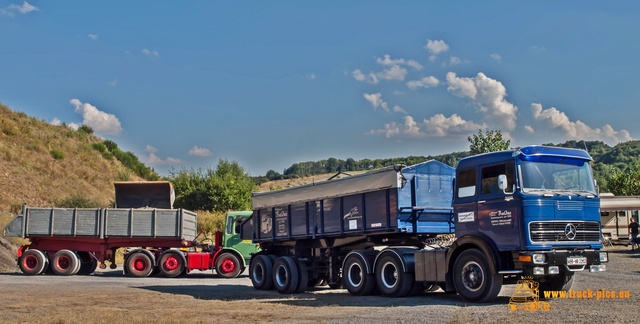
(526, 297)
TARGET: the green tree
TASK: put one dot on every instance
(489, 141)
(625, 183)
(228, 187)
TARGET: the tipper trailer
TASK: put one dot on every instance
(157, 238)
(531, 212)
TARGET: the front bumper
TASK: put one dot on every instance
(541, 263)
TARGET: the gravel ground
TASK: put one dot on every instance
(107, 296)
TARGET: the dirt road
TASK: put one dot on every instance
(107, 296)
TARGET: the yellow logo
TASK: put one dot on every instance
(527, 297)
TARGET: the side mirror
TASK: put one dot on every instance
(502, 183)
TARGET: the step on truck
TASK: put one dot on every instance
(498, 217)
(155, 236)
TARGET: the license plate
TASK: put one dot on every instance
(576, 261)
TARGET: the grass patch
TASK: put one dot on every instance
(57, 154)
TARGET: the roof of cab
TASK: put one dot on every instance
(533, 150)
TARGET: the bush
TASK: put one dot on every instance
(210, 222)
(100, 147)
(85, 129)
(57, 154)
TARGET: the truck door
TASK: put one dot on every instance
(232, 236)
(498, 211)
(465, 208)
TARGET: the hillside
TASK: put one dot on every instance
(46, 165)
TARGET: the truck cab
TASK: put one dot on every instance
(534, 209)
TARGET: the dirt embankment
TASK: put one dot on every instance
(7, 255)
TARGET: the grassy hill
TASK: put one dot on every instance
(46, 165)
(43, 165)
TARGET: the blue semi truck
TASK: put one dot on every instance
(531, 212)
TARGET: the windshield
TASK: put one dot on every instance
(547, 176)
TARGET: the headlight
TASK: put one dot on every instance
(604, 257)
(539, 258)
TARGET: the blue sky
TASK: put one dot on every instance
(271, 83)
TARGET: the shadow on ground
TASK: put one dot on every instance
(315, 297)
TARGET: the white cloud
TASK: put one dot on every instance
(101, 122)
(12, 9)
(311, 76)
(113, 83)
(578, 130)
(426, 82)
(395, 72)
(150, 52)
(359, 76)
(154, 159)
(93, 36)
(388, 61)
(150, 149)
(200, 151)
(436, 126)
(529, 129)
(496, 57)
(435, 48)
(375, 99)
(454, 60)
(56, 122)
(488, 95)
(399, 109)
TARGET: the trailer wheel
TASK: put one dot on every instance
(303, 276)
(65, 263)
(391, 278)
(228, 265)
(261, 272)
(88, 264)
(285, 275)
(473, 279)
(171, 264)
(355, 277)
(33, 262)
(139, 265)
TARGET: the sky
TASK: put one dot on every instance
(272, 83)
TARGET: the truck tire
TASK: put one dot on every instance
(33, 262)
(139, 265)
(285, 275)
(228, 265)
(171, 264)
(88, 264)
(303, 276)
(391, 279)
(65, 263)
(473, 279)
(261, 272)
(562, 281)
(355, 277)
